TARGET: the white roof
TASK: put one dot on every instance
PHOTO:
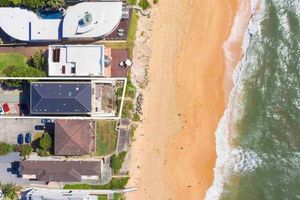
(88, 60)
(16, 22)
(45, 29)
(105, 18)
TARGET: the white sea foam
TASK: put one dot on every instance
(230, 159)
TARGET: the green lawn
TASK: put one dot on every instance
(114, 184)
(117, 196)
(102, 197)
(7, 59)
(106, 137)
(15, 65)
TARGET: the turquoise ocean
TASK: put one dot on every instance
(258, 138)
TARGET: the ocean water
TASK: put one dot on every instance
(258, 138)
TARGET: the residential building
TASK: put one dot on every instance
(60, 98)
(60, 171)
(76, 60)
(74, 137)
(81, 21)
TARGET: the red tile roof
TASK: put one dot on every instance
(74, 137)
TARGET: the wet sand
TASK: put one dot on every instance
(174, 153)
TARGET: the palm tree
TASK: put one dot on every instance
(10, 191)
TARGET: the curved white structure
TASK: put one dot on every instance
(105, 18)
(25, 25)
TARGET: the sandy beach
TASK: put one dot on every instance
(173, 155)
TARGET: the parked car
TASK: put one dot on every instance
(40, 127)
(1, 110)
(20, 138)
(46, 121)
(28, 138)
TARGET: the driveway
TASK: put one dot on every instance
(10, 128)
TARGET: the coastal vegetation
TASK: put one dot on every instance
(114, 184)
(34, 4)
(106, 137)
(116, 162)
(132, 2)
(144, 4)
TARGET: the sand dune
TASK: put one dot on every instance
(174, 153)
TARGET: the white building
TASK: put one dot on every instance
(56, 194)
(83, 20)
(76, 60)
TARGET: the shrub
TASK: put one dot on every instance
(116, 162)
(25, 150)
(10, 191)
(43, 153)
(155, 1)
(144, 4)
(5, 148)
(38, 59)
(46, 142)
(128, 107)
(136, 117)
(130, 88)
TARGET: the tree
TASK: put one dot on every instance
(10, 191)
(38, 59)
(46, 142)
(55, 3)
(25, 150)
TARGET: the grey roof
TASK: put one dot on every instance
(61, 171)
(60, 98)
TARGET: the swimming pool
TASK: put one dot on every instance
(51, 14)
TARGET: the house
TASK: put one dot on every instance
(76, 60)
(60, 171)
(57, 194)
(60, 98)
(81, 21)
(74, 137)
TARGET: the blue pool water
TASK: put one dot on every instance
(51, 14)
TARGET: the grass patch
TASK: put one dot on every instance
(106, 137)
(15, 65)
(114, 184)
(7, 59)
(118, 196)
(6, 148)
(102, 197)
(127, 109)
(144, 4)
(117, 162)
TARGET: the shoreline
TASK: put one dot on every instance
(174, 152)
(225, 154)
